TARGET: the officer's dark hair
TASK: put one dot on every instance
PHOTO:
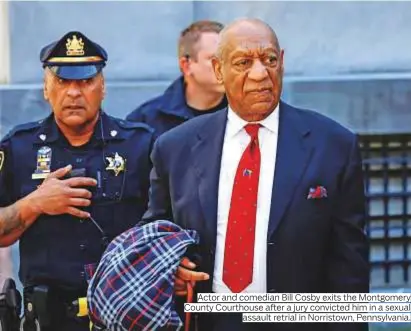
(187, 43)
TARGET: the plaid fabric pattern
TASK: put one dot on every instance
(133, 285)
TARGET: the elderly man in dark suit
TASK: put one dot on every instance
(275, 192)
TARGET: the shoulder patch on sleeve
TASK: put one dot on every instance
(21, 128)
(134, 125)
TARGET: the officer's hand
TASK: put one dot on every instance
(185, 274)
(57, 196)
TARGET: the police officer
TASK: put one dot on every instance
(196, 92)
(70, 183)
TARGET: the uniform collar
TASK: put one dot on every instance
(173, 101)
(106, 129)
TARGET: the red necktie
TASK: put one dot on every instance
(240, 237)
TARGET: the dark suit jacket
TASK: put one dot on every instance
(313, 245)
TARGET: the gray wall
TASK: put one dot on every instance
(320, 38)
(349, 60)
(326, 38)
(333, 50)
(140, 37)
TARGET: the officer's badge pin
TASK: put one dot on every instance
(74, 46)
(43, 163)
(116, 164)
(42, 137)
(113, 133)
(1, 159)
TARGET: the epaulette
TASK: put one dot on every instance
(128, 125)
(23, 128)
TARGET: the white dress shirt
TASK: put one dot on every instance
(236, 140)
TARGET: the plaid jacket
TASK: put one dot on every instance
(133, 286)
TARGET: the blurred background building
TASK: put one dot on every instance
(348, 60)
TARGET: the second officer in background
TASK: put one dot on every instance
(196, 92)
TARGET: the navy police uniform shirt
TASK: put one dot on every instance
(169, 109)
(55, 249)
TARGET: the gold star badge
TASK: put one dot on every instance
(1, 159)
(116, 164)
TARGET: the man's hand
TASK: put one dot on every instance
(185, 275)
(57, 196)
(54, 196)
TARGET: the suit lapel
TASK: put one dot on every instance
(207, 152)
(293, 155)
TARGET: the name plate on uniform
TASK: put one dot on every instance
(43, 163)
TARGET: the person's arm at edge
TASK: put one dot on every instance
(54, 196)
(15, 219)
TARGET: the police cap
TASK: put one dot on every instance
(74, 57)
